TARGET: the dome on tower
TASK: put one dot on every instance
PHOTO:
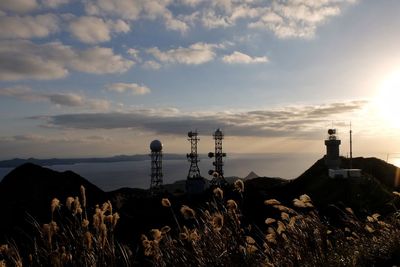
(156, 146)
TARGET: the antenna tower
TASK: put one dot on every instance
(156, 182)
(218, 156)
(194, 171)
(351, 147)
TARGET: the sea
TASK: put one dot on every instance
(136, 174)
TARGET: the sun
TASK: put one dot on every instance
(388, 99)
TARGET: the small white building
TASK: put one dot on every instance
(345, 173)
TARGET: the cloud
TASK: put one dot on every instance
(20, 59)
(18, 6)
(298, 18)
(62, 99)
(35, 138)
(28, 26)
(195, 54)
(284, 18)
(54, 3)
(300, 121)
(240, 58)
(94, 30)
(133, 88)
(151, 65)
(135, 10)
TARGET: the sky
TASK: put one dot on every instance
(106, 77)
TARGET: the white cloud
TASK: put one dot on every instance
(240, 58)
(94, 30)
(134, 53)
(191, 3)
(298, 18)
(26, 60)
(151, 65)
(195, 54)
(66, 99)
(285, 18)
(28, 26)
(18, 6)
(133, 88)
(136, 9)
(54, 3)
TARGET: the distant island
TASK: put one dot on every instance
(12, 163)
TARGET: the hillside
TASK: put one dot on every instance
(364, 195)
(30, 188)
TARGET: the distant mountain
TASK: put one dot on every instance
(12, 163)
(250, 176)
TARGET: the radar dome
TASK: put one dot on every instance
(156, 146)
(331, 131)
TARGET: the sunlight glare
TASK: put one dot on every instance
(388, 99)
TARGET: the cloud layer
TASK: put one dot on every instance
(62, 99)
(21, 59)
(288, 122)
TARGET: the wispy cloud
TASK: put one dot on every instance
(241, 58)
(195, 54)
(300, 121)
(62, 99)
(132, 88)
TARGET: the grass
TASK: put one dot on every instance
(216, 234)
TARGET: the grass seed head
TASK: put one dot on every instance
(218, 221)
(83, 195)
(239, 186)
(218, 193)
(55, 203)
(272, 202)
(187, 212)
(165, 202)
(270, 221)
(231, 204)
(69, 202)
(285, 216)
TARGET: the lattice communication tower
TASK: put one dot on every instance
(156, 182)
(194, 171)
(218, 156)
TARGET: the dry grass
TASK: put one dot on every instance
(216, 235)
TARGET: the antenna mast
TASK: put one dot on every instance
(218, 156)
(194, 171)
(351, 147)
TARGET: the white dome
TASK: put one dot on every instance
(156, 146)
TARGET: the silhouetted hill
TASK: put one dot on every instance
(30, 188)
(387, 173)
(11, 163)
(365, 194)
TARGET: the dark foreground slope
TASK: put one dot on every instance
(29, 189)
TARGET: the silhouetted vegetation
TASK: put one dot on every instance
(310, 221)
